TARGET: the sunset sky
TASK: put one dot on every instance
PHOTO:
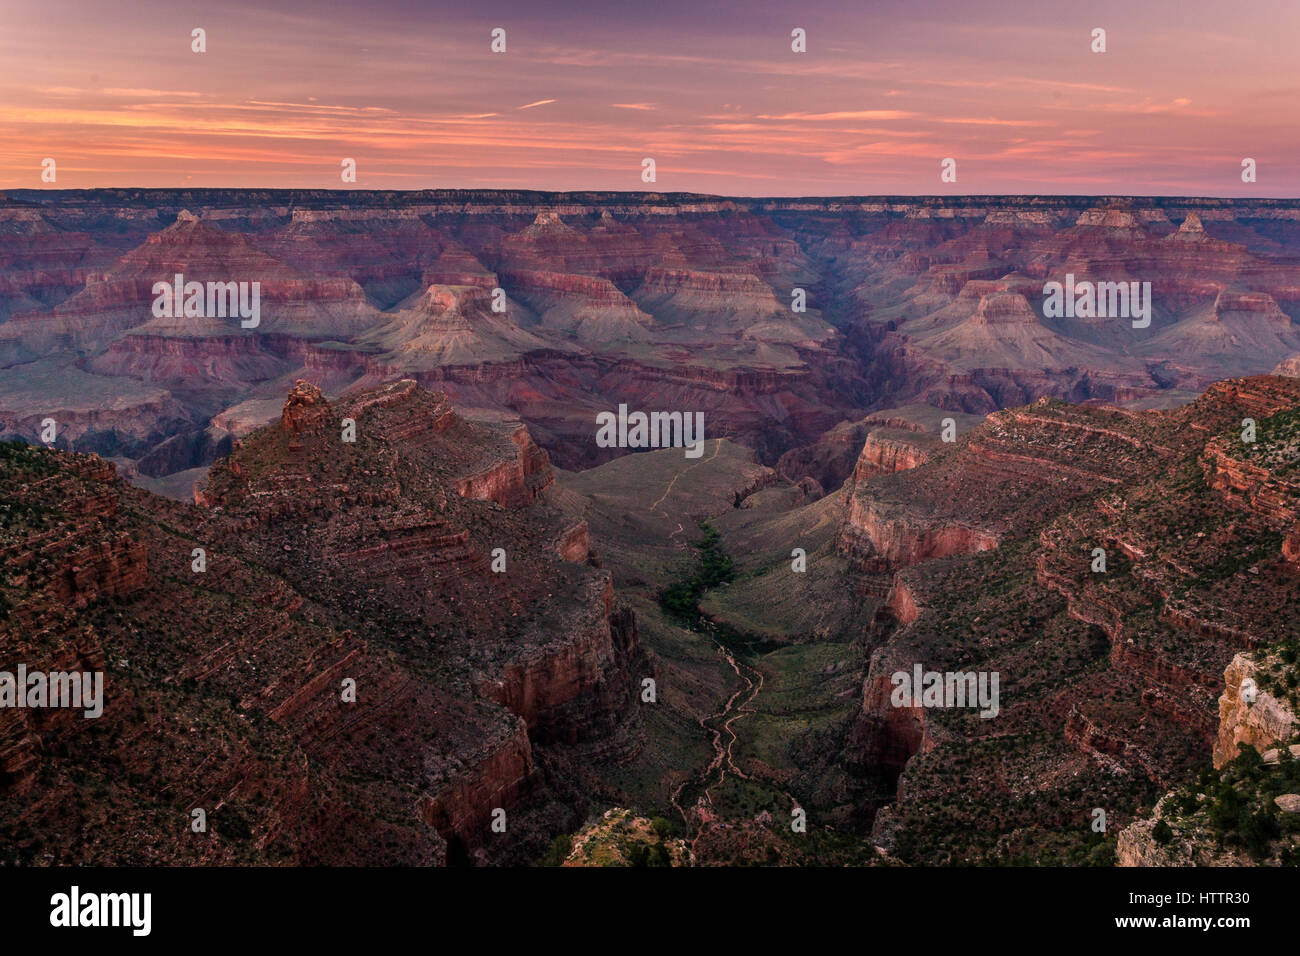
(711, 91)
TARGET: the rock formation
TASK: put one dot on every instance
(348, 651)
(1249, 714)
(984, 558)
(621, 298)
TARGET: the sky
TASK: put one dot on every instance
(711, 91)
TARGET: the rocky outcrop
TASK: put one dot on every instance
(578, 691)
(1252, 487)
(1248, 714)
(884, 456)
(1291, 546)
(901, 602)
(112, 568)
(574, 543)
(892, 735)
(477, 785)
(305, 409)
(1117, 666)
(878, 538)
(511, 482)
(345, 595)
(1136, 845)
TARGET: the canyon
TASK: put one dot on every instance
(327, 566)
(1113, 674)
(396, 490)
(976, 556)
(648, 299)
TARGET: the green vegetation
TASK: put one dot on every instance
(1236, 807)
(638, 854)
(1279, 671)
(664, 829)
(24, 462)
(714, 567)
(619, 837)
(560, 849)
(1277, 444)
(1261, 546)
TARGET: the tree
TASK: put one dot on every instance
(560, 849)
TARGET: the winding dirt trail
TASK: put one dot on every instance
(720, 725)
(717, 447)
(733, 712)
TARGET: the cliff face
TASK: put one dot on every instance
(1251, 486)
(1136, 845)
(965, 498)
(366, 293)
(512, 483)
(881, 540)
(884, 456)
(560, 660)
(645, 298)
(1114, 669)
(890, 736)
(1257, 718)
(497, 776)
(1248, 715)
(829, 461)
(577, 692)
(393, 637)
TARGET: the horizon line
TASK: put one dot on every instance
(6, 193)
